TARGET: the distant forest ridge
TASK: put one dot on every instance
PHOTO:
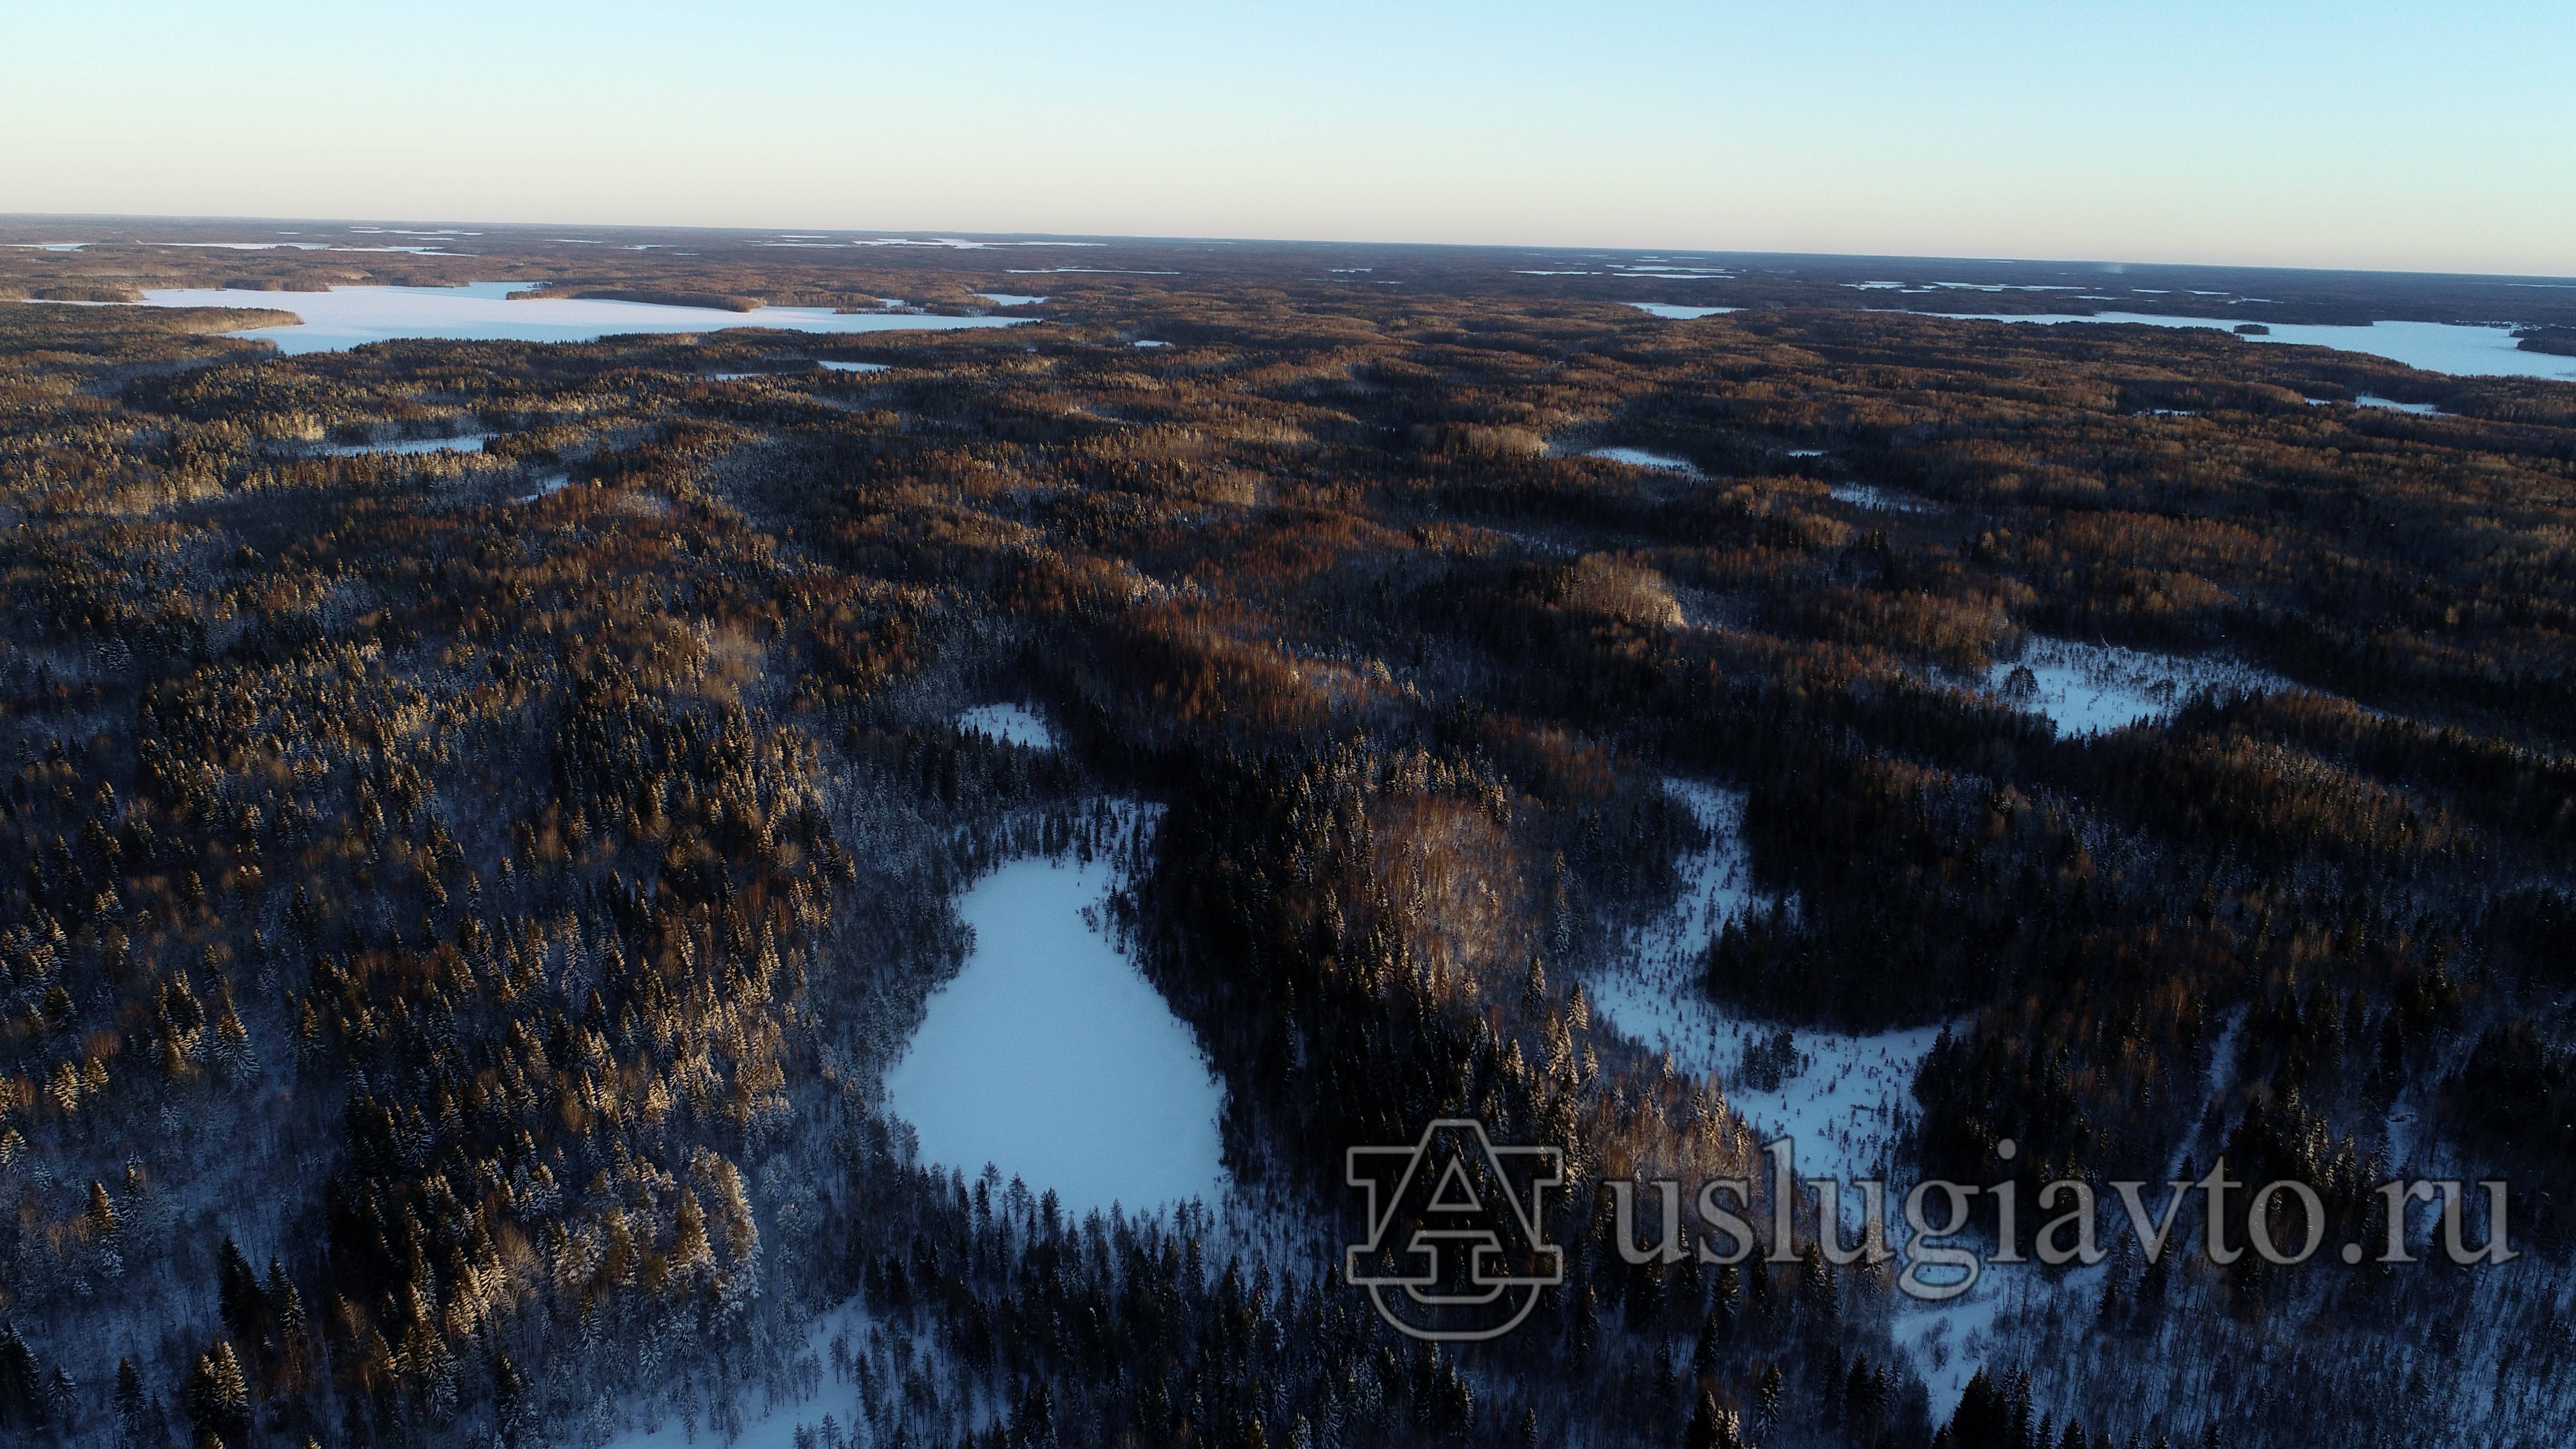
(742, 269)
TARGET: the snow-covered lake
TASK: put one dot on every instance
(468, 443)
(1671, 312)
(2433, 346)
(345, 317)
(1640, 458)
(1865, 495)
(1010, 299)
(2091, 688)
(1051, 1056)
(790, 371)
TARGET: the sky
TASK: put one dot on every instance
(2354, 134)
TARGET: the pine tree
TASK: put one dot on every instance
(245, 1307)
(130, 1401)
(22, 1398)
(234, 1057)
(1766, 1397)
(1711, 1426)
(217, 1398)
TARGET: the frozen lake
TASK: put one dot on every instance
(1679, 314)
(1868, 495)
(1051, 1056)
(2091, 688)
(1640, 458)
(345, 317)
(789, 372)
(2432, 346)
(468, 443)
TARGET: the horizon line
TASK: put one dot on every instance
(2111, 265)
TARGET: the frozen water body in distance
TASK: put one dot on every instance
(1674, 313)
(1864, 495)
(2431, 346)
(345, 317)
(1640, 458)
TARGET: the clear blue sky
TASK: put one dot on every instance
(2359, 133)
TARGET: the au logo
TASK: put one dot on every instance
(1457, 1247)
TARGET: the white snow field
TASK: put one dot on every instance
(2093, 688)
(1051, 1056)
(1843, 1111)
(1851, 1094)
(1009, 723)
(1640, 458)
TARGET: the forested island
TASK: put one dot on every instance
(458, 908)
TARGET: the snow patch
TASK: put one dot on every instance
(1009, 723)
(1863, 495)
(2093, 688)
(1640, 458)
(1841, 1099)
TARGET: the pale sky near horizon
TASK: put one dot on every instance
(2361, 133)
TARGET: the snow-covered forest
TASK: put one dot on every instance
(467, 915)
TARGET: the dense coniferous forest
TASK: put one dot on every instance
(457, 909)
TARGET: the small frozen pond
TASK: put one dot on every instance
(791, 371)
(1051, 1056)
(468, 443)
(2091, 688)
(1864, 495)
(2425, 410)
(1010, 299)
(1674, 313)
(1009, 723)
(345, 317)
(2431, 346)
(547, 486)
(1640, 458)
